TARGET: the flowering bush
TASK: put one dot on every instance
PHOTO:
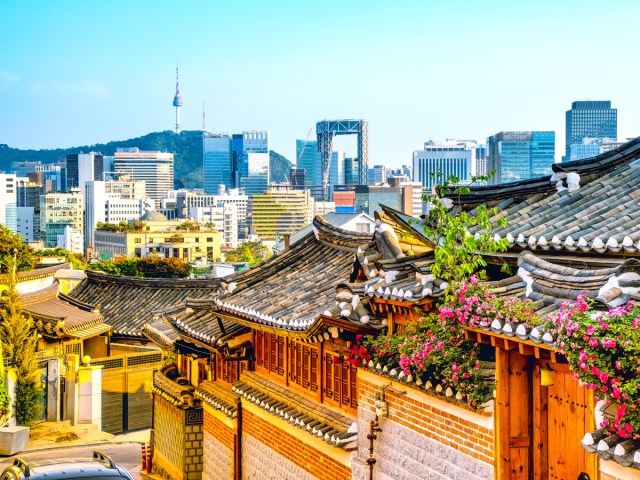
(603, 349)
(435, 350)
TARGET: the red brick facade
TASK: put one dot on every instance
(308, 458)
(446, 428)
(219, 430)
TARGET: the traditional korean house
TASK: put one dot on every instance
(261, 384)
(129, 359)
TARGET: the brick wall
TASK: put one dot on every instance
(270, 452)
(218, 441)
(422, 437)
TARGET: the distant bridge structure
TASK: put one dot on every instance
(326, 130)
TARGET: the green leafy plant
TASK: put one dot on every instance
(459, 254)
(19, 340)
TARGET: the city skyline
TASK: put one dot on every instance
(81, 73)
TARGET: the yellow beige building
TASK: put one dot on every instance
(155, 234)
(280, 212)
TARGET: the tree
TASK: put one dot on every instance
(10, 245)
(149, 267)
(75, 259)
(5, 400)
(19, 340)
(249, 252)
(457, 253)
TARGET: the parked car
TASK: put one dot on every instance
(100, 467)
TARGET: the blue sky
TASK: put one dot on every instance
(81, 72)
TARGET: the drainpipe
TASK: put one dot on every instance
(237, 461)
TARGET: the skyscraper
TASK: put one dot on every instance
(253, 166)
(590, 119)
(308, 158)
(216, 148)
(155, 168)
(451, 157)
(84, 167)
(518, 156)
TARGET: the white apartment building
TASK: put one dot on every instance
(224, 219)
(8, 202)
(113, 201)
(71, 240)
(25, 224)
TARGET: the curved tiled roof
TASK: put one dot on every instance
(127, 303)
(48, 271)
(601, 217)
(334, 428)
(56, 317)
(218, 398)
(588, 169)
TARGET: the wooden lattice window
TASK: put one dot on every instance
(202, 370)
(270, 352)
(339, 381)
(229, 372)
(183, 367)
(303, 365)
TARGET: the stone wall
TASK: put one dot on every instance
(168, 460)
(218, 440)
(273, 449)
(177, 447)
(609, 470)
(422, 437)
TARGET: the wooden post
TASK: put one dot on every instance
(237, 460)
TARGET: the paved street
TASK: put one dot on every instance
(127, 455)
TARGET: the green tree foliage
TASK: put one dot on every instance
(249, 252)
(75, 259)
(186, 147)
(19, 341)
(120, 227)
(5, 400)
(149, 267)
(10, 244)
(458, 254)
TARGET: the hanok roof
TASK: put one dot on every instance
(335, 429)
(589, 169)
(549, 285)
(290, 291)
(127, 303)
(55, 315)
(35, 273)
(600, 217)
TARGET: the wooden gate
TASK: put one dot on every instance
(538, 429)
(569, 410)
(126, 390)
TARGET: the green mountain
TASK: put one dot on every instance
(186, 147)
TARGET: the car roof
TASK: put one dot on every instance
(68, 468)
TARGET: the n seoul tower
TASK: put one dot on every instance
(177, 102)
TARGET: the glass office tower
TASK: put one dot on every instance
(590, 119)
(216, 152)
(518, 156)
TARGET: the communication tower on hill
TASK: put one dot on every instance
(177, 102)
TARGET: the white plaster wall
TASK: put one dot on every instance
(260, 462)
(218, 459)
(403, 454)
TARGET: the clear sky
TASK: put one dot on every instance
(82, 72)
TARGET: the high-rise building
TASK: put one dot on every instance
(223, 218)
(253, 166)
(186, 200)
(405, 197)
(297, 178)
(57, 210)
(590, 119)
(278, 212)
(8, 203)
(217, 161)
(84, 167)
(518, 156)
(351, 171)
(440, 160)
(113, 201)
(376, 175)
(336, 171)
(155, 168)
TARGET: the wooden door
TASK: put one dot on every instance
(570, 416)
